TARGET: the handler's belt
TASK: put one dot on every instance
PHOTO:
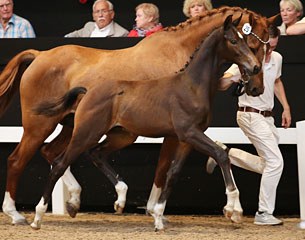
(251, 109)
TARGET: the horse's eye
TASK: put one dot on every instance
(233, 41)
(254, 50)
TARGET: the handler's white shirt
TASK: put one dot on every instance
(272, 71)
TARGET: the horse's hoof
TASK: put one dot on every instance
(21, 221)
(159, 230)
(71, 209)
(237, 217)
(36, 226)
(227, 213)
(119, 210)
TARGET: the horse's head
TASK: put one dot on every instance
(255, 31)
(235, 48)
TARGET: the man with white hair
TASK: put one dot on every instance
(103, 25)
(12, 25)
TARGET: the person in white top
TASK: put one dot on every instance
(103, 25)
(292, 21)
(255, 118)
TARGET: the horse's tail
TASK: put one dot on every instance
(11, 75)
(52, 108)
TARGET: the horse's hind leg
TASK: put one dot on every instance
(181, 152)
(17, 161)
(84, 137)
(167, 154)
(53, 149)
(116, 139)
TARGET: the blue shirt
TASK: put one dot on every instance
(17, 27)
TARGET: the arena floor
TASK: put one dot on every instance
(99, 226)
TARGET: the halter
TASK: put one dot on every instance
(247, 30)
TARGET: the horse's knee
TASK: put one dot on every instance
(222, 158)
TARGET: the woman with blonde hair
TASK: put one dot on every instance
(193, 8)
(292, 21)
(147, 20)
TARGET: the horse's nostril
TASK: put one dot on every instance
(256, 69)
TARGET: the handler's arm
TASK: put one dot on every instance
(279, 92)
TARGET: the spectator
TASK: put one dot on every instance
(12, 25)
(147, 20)
(255, 118)
(192, 8)
(292, 21)
(104, 26)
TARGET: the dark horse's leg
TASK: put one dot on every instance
(167, 154)
(116, 139)
(169, 165)
(53, 149)
(87, 132)
(205, 145)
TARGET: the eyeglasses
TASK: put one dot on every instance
(103, 11)
(7, 5)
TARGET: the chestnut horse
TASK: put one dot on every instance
(49, 74)
(178, 106)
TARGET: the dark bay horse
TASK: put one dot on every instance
(178, 106)
(50, 74)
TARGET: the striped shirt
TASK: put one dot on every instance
(17, 27)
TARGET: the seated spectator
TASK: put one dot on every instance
(104, 26)
(193, 8)
(291, 13)
(147, 20)
(12, 25)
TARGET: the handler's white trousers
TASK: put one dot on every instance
(263, 134)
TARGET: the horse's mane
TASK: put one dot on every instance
(212, 33)
(207, 15)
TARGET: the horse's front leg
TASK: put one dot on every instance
(181, 152)
(202, 143)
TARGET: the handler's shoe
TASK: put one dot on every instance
(266, 219)
(211, 163)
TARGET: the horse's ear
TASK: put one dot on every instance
(227, 22)
(272, 20)
(236, 21)
(251, 20)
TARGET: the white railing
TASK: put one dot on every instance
(228, 135)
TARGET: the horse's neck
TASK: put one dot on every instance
(182, 39)
(204, 68)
